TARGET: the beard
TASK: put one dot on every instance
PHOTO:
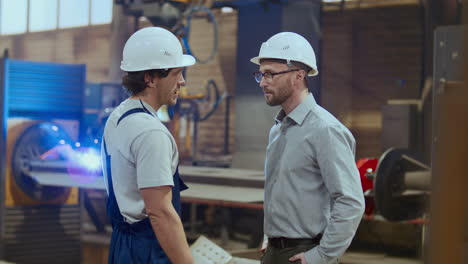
(278, 97)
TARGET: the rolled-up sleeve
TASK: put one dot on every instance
(335, 156)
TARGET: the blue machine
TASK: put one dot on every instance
(40, 106)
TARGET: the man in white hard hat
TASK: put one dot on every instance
(140, 156)
(313, 196)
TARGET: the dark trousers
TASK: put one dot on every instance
(281, 256)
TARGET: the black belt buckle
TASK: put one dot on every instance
(282, 243)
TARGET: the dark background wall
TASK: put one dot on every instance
(369, 56)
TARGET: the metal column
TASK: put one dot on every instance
(3, 129)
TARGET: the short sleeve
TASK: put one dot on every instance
(153, 159)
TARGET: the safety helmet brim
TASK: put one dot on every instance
(185, 61)
(256, 60)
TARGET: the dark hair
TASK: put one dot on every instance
(134, 82)
(292, 65)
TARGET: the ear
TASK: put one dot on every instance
(300, 75)
(149, 80)
(298, 78)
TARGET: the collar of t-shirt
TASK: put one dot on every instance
(137, 103)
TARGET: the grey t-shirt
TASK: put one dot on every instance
(143, 154)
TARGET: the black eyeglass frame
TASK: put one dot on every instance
(271, 74)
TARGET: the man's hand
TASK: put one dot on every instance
(264, 245)
(297, 257)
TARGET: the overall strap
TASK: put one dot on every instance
(143, 109)
(113, 210)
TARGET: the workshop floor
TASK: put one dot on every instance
(95, 252)
(351, 257)
(375, 258)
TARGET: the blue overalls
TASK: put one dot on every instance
(135, 243)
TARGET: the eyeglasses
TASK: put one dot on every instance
(269, 75)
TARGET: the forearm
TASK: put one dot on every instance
(344, 220)
(170, 233)
(341, 178)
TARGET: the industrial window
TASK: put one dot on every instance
(21, 16)
(101, 11)
(42, 15)
(13, 16)
(73, 13)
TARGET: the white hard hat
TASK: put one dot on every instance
(288, 46)
(153, 48)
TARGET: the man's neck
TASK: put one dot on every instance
(296, 99)
(148, 98)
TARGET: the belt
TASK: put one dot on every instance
(283, 242)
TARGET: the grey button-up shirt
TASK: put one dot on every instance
(312, 183)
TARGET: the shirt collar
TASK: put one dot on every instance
(300, 112)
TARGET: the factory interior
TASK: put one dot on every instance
(391, 71)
